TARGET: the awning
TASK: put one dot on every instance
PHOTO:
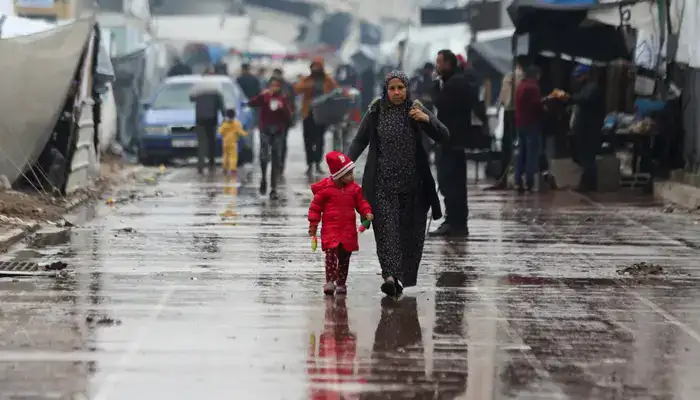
(493, 55)
(566, 28)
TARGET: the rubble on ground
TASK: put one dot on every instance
(24, 210)
(641, 268)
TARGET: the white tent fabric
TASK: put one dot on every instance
(7, 7)
(495, 34)
(265, 45)
(18, 26)
(389, 50)
(423, 43)
(211, 29)
(643, 16)
(688, 49)
(33, 94)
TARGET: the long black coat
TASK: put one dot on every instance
(367, 136)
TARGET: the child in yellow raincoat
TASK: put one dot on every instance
(231, 130)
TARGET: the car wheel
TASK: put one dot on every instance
(145, 159)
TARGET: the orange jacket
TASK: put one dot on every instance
(305, 89)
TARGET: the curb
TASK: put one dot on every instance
(15, 235)
(680, 194)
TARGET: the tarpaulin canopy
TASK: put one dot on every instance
(214, 29)
(532, 15)
(493, 55)
(423, 43)
(129, 71)
(34, 95)
(564, 27)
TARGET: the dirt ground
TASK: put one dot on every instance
(27, 208)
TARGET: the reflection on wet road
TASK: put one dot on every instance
(214, 293)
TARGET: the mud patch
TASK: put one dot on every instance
(101, 320)
(642, 269)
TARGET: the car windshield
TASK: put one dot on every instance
(177, 96)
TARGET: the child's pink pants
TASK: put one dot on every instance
(337, 265)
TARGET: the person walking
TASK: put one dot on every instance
(528, 122)
(275, 114)
(288, 90)
(249, 83)
(310, 87)
(231, 131)
(335, 201)
(455, 100)
(397, 181)
(209, 103)
(251, 87)
(589, 114)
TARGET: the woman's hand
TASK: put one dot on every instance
(417, 114)
(312, 230)
(369, 217)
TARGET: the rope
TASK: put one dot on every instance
(44, 195)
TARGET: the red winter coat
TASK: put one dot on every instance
(282, 114)
(335, 207)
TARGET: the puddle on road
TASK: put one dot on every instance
(202, 304)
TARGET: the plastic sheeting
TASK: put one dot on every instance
(493, 53)
(689, 31)
(215, 29)
(129, 71)
(423, 44)
(34, 95)
(17, 26)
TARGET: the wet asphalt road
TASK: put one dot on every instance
(214, 293)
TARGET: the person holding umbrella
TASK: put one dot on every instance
(209, 102)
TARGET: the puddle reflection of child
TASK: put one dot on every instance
(230, 188)
(334, 364)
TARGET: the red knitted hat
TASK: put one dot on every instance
(339, 164)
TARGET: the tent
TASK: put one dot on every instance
(34, 96)
(565, 27)
(492, 54)
(423, 43)
(214, 29)
(11, 26)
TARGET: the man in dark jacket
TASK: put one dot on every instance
(455, 99)
(248, 82)
(208, 102)
(528, 122)
(179, 68)
(589, 115)
(422, 86)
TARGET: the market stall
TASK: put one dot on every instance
(561, 36)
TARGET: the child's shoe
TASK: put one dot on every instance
(329, 289)
(341, 289)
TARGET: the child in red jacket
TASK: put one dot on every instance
(335, 200)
